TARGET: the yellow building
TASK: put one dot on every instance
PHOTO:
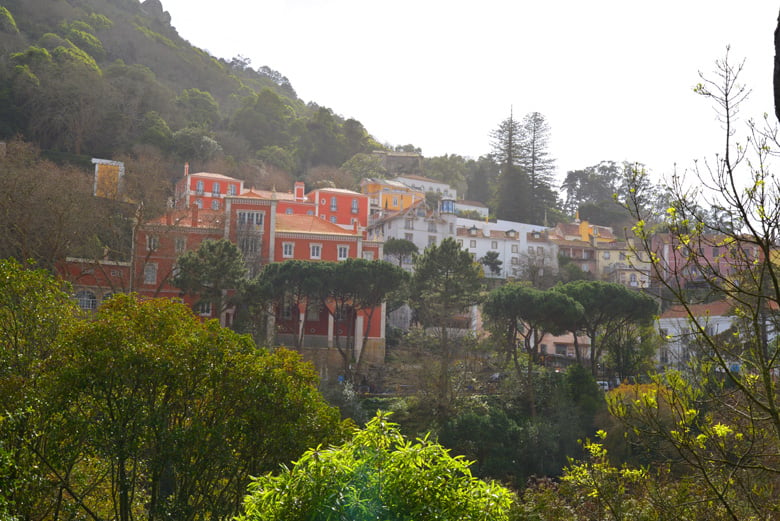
(389, 195)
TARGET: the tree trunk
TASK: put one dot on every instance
(776, 77)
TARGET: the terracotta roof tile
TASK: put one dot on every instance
(308, 224)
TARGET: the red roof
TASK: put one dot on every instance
(267, 194)
(308, 224)
(713, 309)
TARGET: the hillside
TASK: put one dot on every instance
(107, 78)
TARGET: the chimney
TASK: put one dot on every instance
(186, 169)
(299, 190)
(194, 215)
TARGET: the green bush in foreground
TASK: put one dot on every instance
(377, 475)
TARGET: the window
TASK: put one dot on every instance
(409, 224)
(199, 203)
(431, 240)
(287, 308)
(561, 349)
(215, 204)
(431, 227)
(87, 300)
(622, 256)
(215, 189)
(515, 248)
(395, 202)
(333, 219)
(333, 204)
(180, 244)
(288, 250)
(472, 243)
(515, 261)
(315, 251)
(152, 243)
(540, 251)
(493, 245)
(150, 273)
(313, 311)
(343, 252)
(203, 309)
(368, 255)
(409, 237)
(249, 245)
(355, 206)
(531, 250)
(250, 219)
(232, 190)
(606, 255)
(107, 296)
(199, 188)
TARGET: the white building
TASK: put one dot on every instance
(425, 185)
(513, 242)
(419, 224)
(678, 333)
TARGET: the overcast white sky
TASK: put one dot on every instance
(613, 78)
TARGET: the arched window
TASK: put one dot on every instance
(86, 300)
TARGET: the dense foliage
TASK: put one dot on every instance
(102, 78)
(140, 408)
(377, 475)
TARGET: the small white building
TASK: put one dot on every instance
(425, 185)
(472, 206)
(678, 332)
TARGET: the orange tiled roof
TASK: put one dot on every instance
(308, 224)
(713, 309)
(267, 194)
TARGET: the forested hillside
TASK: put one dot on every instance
(110, 78)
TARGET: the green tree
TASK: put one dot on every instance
(365, 165)
(144, 410)
(445, 284)
(724, 413)
(512, 190)
(35, 313)
(296, 284)
(199, 108)
(449, 168)
(403, 250)
(607, 307)
(481, 178)
(492, 262)
(264, 119)
(353, 286)
(377, 475)
(538, 165)
(209, 272)
(519, 312)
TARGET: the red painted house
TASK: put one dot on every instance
(205, 190)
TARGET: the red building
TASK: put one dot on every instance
(205, 190)
(267, 226)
